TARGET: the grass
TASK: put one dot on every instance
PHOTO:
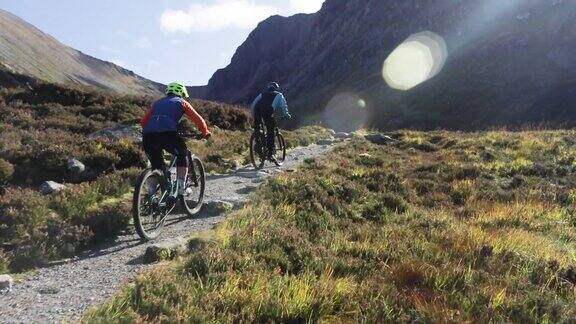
(44, 125)
(428, 229)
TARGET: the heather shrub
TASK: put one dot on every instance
(6, 170)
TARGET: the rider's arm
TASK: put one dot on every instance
(255, 102)
(144, 121)
(281, 105)
(195, 118)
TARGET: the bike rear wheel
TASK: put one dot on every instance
(257, 150)
(280, 149)
(195, 187)
(146, 204)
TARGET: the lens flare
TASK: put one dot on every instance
(418, 59)
(345, 112)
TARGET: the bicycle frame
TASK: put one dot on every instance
(172, 186)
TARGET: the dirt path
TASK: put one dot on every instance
(64, 292)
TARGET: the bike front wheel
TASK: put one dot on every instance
(146, 204)
(195, 187)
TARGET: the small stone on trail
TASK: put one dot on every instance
(5, 284)
(165, 250)
(215, 208)
(50, 187)
(49, 290)
(253, 174)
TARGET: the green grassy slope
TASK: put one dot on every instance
(440, 227)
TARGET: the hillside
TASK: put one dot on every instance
(509, 63)
(434, 228)
(28, 51)
(44, 126)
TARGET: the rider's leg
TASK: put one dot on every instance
(182, 163)
(270, 134)
(153, 147)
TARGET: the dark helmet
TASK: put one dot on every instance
(273, 86)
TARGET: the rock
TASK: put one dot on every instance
(165, 250)
(133, 132)
(380, 139)
(232, 164)
(246, 190)
(365, 155)
(75, 167)
(342, 135)
(49, 290)
(50, 187)
(253, 174)
(5, 283)
(215, 208)
(328, 141)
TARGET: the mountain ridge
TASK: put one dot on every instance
(26, 50)
(508, 63)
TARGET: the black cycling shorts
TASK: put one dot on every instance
(156, 143)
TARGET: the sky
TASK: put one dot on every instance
(163, 40)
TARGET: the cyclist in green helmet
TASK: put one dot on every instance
(160, 127)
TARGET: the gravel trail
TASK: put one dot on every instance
(62, 293)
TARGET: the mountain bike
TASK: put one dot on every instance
(259, 150)
(150, 209)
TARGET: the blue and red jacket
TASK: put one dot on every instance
(165, 114)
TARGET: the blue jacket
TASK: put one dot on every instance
(279, 104)
(165, 114)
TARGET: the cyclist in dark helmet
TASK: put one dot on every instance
(160, 126)
(269, 105)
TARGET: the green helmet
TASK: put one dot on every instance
(178, 89)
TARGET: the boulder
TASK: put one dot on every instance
(132, 132)
(380, 139)
(5, 283)
(50, 187)
(342, 135)
(328, 141)
(165, 250)
(215, 208)
(75, 167)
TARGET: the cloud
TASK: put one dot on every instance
(143, 42)
(223, 14)
(305, 6)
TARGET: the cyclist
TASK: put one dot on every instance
(265, 107)
(160, 126)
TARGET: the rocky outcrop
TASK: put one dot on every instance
(510, 62)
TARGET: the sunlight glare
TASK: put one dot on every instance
(345, 112)
(418, 59)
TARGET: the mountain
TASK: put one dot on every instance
(26, 50)
(509, 63)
